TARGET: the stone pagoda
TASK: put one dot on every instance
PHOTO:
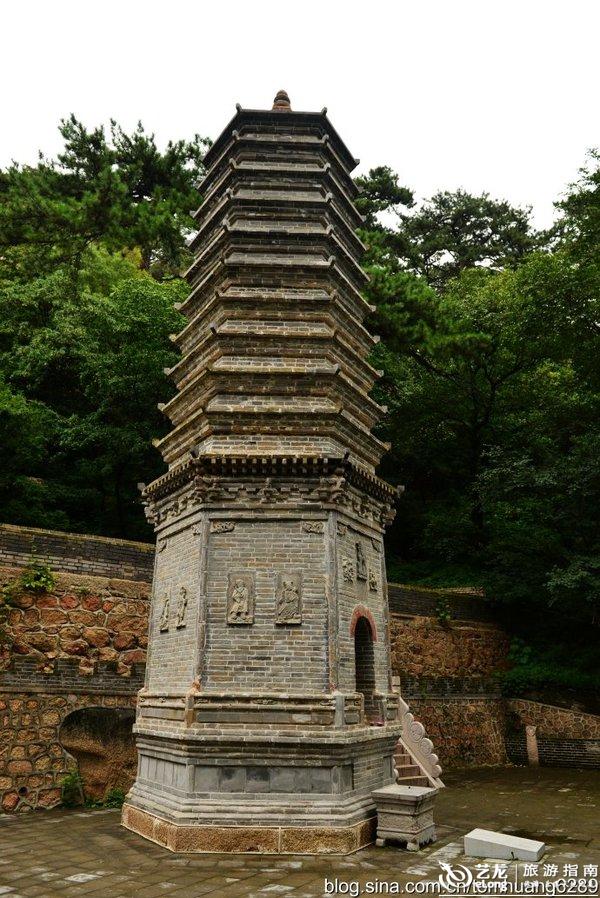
(268, 714)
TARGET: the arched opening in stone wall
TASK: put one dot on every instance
(101, 742)
(364, 664)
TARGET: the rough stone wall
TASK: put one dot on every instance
(446, 672)
(80, 646)
(552, 721)
(422, 647)
(565, 738)
(33, 761)
(102, 742)
(91, 619)
(466, 731)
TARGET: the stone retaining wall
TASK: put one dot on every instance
(33, 762)
(91, 619)
(422, 646)
(552, 721)
(466, 731)
(80, 646)
(446, 674)
(565, 738)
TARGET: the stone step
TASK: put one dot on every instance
(408, 770)
(402, 757)
(411, 780)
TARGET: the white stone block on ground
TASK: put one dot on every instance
(485, 843)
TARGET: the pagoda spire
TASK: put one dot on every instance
(281, 103)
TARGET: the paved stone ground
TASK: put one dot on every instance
(47, 854)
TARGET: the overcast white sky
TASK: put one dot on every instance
(493, 95)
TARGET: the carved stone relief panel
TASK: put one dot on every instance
(165, 612)
(373, 581)
(348, 569)
(182, 608)
(313, 526)
(361, 563)
(341, 529)
(240, 598)
(222, 526)
(289, 599)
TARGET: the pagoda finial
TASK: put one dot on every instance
(281, 103)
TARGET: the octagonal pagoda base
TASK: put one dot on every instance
(279, 792)
(250, 839)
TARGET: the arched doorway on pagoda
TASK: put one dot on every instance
(365, 634)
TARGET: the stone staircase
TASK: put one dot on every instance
(415, 760)
(407, 772)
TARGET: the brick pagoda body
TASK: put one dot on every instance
(268, 715)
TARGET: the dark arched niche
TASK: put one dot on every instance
(364, 664)
(101, 742)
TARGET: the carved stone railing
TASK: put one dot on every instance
(419, 746)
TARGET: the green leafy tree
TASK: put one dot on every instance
(443, 236)
(454, 231)
(491, 381)
(91, 249)
(380, 191)
(120, 190)
(579, 227)
(83, 376)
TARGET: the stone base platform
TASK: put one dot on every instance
(269, 791)
(250, 839)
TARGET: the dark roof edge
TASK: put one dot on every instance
(268, 115)
(243, 466)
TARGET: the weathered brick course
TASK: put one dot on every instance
(76, 553)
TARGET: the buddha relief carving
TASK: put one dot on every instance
(163, 624)
(348, 570)
(361, 563)
(181, 608)
(289, 599)
(240, 599)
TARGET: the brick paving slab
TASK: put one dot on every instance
(47, 854)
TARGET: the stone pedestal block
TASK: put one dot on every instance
(405, 814)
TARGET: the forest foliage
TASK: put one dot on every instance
(489, 350)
